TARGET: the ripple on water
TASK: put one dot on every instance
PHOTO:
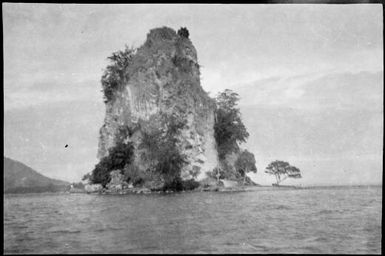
(302, 221)
(65, 231)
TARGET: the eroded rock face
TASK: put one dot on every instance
(117, 182)
(164, 77)
(90, 188)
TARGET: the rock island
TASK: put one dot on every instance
(162, 131)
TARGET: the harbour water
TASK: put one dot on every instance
(265, 220)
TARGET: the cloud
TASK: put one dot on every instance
(50, 91)
(313, 91)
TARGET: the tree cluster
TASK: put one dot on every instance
(245, 163)
(229, 128)
(229, 133)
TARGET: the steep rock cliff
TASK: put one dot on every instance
(163, 77)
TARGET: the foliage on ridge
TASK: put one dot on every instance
(114, 76)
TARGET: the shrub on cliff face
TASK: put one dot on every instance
(190, 184)
(114, 76)
(228, 172)
(195, 172)
(170, 164)
(229, 128)
(133, 175)
(101, 174)
(117, 158)
(217, 174)
(170, 160)
(184, 64)
(86, 177)
(174, 184)
(162, 150)
(177, 184)
(124, 132)
(183, 32)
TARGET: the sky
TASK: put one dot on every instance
(310, 79)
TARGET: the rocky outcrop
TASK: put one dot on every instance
(117, 182)
(163, 77)
(92, 188)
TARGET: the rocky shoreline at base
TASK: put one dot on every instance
(224, 186)
(117, 185)
(148, 191)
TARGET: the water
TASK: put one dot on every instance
(317, 220)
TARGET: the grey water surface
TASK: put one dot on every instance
(265, 220)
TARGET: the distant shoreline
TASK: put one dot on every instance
(320, 186)
(238, 189)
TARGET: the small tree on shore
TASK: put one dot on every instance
(283, 170)
(217, 173)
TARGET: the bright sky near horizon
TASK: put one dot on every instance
(310, 78)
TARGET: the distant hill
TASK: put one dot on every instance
(19, 178)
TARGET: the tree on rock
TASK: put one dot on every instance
(229, 128)
(86, 177)
(118, 157)
(282, 170)
(114, 76)
(183, 32)
(245, 163)
(217, 173)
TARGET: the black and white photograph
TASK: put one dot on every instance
(192, 128)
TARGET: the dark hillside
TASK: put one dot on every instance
(19, 178)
